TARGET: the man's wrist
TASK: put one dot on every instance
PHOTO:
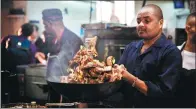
(134, 81)
(128, 76)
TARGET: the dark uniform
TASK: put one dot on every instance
(60, 53)
(158, 67)
(186, 90)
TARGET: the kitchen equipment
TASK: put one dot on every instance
(10, 92)
(86, 92)
(35, 82)
(76, 105)
(78, 92)
(55, 105)
(112, 39)
(21, 105)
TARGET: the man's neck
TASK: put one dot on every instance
(151, 41)
(190, 47)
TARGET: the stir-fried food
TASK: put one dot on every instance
(85, 69)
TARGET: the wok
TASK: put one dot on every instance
(86, 92)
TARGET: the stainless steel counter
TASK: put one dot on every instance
(32, 81)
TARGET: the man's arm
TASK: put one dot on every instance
(41, 57)
(168, 78)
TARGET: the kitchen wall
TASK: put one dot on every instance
(174, 18)
(123, 10)
(11, 23)
(78, 12)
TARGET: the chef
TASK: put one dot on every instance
(152, 64)
(62, 49)
(186, 90)
(43, 44)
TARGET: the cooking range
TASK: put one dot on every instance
(93, 94)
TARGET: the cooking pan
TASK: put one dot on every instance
(79, 92)
(86, 92)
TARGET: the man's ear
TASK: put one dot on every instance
(161, 23)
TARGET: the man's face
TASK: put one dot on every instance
(48, 27)
(149, 26)
(191, 29)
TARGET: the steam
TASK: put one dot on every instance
(57, 65)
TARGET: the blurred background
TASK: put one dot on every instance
(114, 22)
(75, 13)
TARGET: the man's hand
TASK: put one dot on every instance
(136, 82)
(43, 38)
(7, 43)
(40, 54)
(41, 57)
(121, 69)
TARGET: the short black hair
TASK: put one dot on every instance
(27, 29)
(190, 15)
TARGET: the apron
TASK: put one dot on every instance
(187, 87)
(57, 64)
(54, 69)
(187, 72)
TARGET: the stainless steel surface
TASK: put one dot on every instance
(101, 25)
(60, 104)
(21, 105)
(35, 82)
(36, 65)
(111, 41)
